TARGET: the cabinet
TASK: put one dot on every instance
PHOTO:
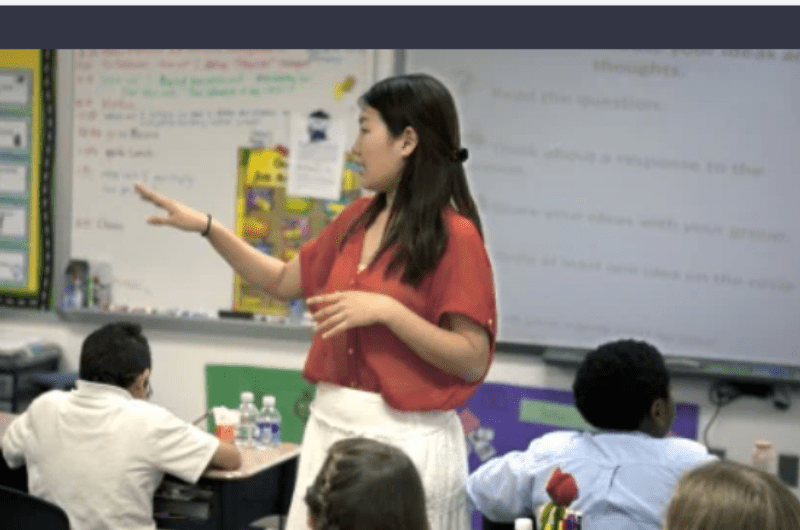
(16, 390)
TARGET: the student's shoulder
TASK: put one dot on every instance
(556, 443)
(682, 450)
(47, 401)
(146, 413)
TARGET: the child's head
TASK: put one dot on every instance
(366, 485)
(117, 354)
(731, 496)
(624, 385)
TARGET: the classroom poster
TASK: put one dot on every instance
(279, 224)
(317, 143)
(500, 418)
(27, 125)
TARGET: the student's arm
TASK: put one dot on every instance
(181, 449)
(274, 276)
(227, 457)
(502, 488)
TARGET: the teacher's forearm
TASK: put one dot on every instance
(252, 265)
(447, 350)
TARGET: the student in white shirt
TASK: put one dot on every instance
(620, 477)
(101, 450)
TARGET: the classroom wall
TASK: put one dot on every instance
(179, 359)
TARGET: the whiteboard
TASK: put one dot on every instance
(637, 193)
(175, 119)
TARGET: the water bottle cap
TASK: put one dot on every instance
(523, 524)
(247, 397)
(268, 401)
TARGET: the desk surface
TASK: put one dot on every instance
(254, 460)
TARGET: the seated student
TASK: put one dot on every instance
(100, 451)
(620, 477)
(731, 496)
(366, 485)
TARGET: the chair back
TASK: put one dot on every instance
(22, 511)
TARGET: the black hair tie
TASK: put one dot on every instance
(460, 155)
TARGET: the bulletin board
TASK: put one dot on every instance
(27, 129)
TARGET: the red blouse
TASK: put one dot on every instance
(374, 359)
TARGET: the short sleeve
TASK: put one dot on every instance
(463, 281)
(179, 448)
(502, 488)
(13, 442)
(317, 256)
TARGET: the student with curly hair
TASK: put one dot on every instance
(619, 477)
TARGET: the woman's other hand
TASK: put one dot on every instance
(343, 310)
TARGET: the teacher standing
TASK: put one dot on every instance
(401, 290)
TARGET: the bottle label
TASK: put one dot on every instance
(276, 433)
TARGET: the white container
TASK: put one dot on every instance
(764, 456)
(523, 524)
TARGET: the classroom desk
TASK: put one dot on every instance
(262, 486)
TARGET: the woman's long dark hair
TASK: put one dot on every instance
(367, 485)
(432, 178)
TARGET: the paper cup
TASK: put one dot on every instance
(226, 432)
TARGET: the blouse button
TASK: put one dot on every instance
(352, 384)
(490, 321)
(350, 351)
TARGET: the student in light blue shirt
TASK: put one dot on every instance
(619, 478)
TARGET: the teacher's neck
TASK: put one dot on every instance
(390, 199)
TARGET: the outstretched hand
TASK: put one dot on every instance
(343, 310)
(178, 215)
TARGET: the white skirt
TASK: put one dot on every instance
(433, 440)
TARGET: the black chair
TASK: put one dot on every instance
(22, 511)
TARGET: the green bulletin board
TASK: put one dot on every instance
(293, 394)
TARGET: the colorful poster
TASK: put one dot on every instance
(500, 418)
(279, 224)
(26, 162)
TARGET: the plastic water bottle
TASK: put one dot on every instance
(246, 434)
(269, 423)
